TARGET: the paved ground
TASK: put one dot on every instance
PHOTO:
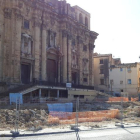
(107, 134)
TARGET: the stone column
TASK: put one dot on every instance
(17, 64)
(64, 40)
(59, 62)
(7, 44)
(1, 43)
(69, 58)
(91, 72)
(1, 59)
(44, 38)
(37, 49)
(80, 46)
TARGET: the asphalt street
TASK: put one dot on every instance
(107, 134)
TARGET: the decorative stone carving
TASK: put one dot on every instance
(7, 13)
(20, 5)
(17, 13)
(26, 42)
(80, 41)
(69, 36)
(44, 26)
(93, 35)
(27, 10)
(37, 23)
(52, 22)
(91, 47)
(64, 33)
(74, 61)
(85, 65)
(51, 39)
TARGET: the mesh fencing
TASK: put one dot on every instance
(35, 116)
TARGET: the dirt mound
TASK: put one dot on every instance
(27, 118)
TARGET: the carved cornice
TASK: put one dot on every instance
(17, 13)
(91, 47)
(93, 35)
(8, 13)
(18, 16)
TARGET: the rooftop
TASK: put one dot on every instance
(125, 65)
(101, 55)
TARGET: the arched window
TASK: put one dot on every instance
(86, 21)
(80, 18)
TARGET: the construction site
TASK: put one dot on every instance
(102, 111)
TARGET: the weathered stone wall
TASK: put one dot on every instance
(51, 33)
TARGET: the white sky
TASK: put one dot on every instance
(118, 25)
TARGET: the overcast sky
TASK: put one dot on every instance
(118, 25)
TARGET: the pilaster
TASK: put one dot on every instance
(44, 59)
(69, 58)
(80, 42)
(17, 65)
(64, 49)
(91, 70)
(1, 42)
(37, 24)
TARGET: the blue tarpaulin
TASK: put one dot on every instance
(16, 97)
(65, 107)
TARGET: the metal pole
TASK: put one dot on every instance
(18, 112)
(16, 117)
(122, 113)
(77, 110)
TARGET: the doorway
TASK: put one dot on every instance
(51, 70)
(74, 78)
(25, 73)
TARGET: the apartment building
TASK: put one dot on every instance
(125, 78)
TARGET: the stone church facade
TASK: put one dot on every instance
(45, 40)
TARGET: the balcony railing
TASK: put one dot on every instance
(44, 83)
(57, 84)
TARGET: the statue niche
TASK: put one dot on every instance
(85, 65)
(74, 61)
(26, 45)
(51, 39)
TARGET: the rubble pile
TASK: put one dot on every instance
(27, 118)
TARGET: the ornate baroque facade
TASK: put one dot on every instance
(45, 40)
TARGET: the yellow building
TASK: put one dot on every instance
(45, 43)
(101, 63)
(125, 78)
